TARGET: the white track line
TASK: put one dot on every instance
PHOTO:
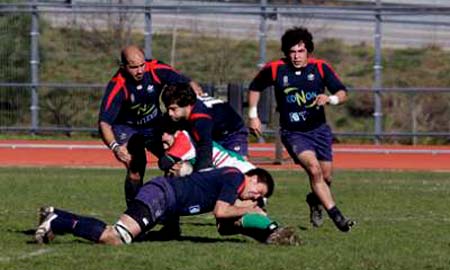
(26, 255)
(251, 148)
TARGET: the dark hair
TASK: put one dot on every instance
(294, 36)
(180, 94)
(263, 177)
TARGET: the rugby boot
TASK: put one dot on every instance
(343, 224)
(315, 209)
(44, 233)
(285, 236)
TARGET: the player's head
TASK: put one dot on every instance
(132, 60)
(260, 184)
(296, 44)
(167, 140)
(178, 98)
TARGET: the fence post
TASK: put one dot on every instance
(34, 66)
(148, 29)
(378, 114)
(235, 97)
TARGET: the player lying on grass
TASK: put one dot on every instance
(162, 198)
(178, 160)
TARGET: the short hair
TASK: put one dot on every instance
(294, 36)
(263, 177)
(124, 53)
(180, 94)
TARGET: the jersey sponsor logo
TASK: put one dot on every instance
(194, 209)
(147, 118)
(297, 116)
(301, 98)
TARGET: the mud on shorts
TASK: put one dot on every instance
(318, 140)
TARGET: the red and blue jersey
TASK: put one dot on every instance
(137, 103)
(296, 90)
(198, 192)
(208, 122)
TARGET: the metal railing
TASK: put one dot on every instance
(28, 113)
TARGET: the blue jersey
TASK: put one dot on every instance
(137, 103)
(198, 192)
(296, 90)
(208, 122)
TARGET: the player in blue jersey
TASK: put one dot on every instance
(299, 82)
(162, 198)
(130, 111)
(207, 120)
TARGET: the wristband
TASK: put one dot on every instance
(113, 146)
(333, 100)
(253, 112)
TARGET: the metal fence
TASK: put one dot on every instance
(35, 99)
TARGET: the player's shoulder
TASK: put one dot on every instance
(318, 62)
(274, 64)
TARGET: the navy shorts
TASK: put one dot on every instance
(318, 140)
(152, 137)
(159, 196)
(236, 141)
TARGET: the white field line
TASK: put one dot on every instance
(26, 255)
(361, 150)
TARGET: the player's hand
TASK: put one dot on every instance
(254, 125)
(321, 100)
(122, 154)
(260, 211)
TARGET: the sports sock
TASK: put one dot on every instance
(334, 213)
(64, 222)
(89, 228)
(131, 189)
(256, 221)
(85, 227)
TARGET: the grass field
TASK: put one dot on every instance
(403, 223)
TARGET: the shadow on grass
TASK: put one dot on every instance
(154, 236)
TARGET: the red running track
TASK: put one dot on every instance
(45, 153)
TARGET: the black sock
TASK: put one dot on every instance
(89, 228)
(131, 189)
(334, 213)
(64, 222)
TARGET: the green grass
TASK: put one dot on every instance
(402, 223)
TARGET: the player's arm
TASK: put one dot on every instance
(109, 111)
(224, 209)
(254, 123)
(196, 87)
(169, 75)
(120, 151)
(202, 135)
(335, 87)
(262, 80)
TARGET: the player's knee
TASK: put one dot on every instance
(328, 179)
(315, 172)
(110, 237)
